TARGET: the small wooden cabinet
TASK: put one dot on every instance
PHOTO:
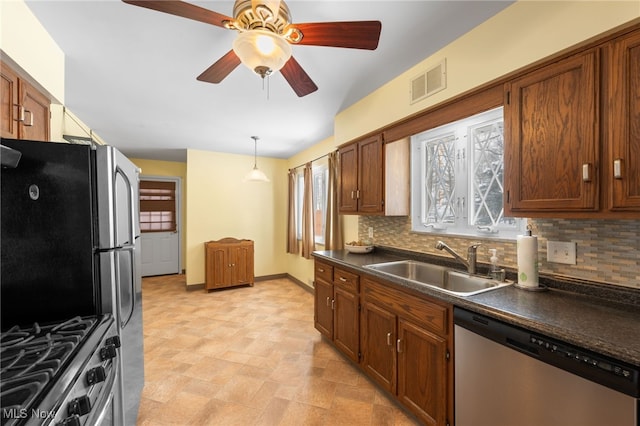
(24, 111)
(229, 263)
(336, 308)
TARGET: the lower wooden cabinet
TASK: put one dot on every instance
(337, 308)
(229, 263)
(401, 340)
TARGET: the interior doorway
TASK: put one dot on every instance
(160, 229)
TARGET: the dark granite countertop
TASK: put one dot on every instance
(601, 318)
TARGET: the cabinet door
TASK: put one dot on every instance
(348, 184)
(346, 324)
(378, 345)
(323, 307)
(624, 123)
(218, 263)
(551, 137)
(241, 257)
(370, 175)
(9, 102)
(422, 373)
(35, 125)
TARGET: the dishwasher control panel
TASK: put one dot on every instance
(578, 356)
(596, 367)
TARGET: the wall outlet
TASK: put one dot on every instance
(371, 232)
(561, 252)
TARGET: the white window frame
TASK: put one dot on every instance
(463, 169)
(319, 168)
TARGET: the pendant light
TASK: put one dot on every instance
(255, 174)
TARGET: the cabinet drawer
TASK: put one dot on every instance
(347, 280)
(323, 271)
(427, 314)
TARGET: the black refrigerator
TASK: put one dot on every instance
(70, 244)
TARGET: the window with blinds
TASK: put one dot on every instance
(157, 206)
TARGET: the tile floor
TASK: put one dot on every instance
(248, 356)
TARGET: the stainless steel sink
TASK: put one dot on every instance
(438, 277)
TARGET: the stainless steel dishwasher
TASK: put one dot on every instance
(507, 376)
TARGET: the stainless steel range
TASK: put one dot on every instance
(60, 372)
(71, 343)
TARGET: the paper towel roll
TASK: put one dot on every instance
(527, 248)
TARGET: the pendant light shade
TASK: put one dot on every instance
(256, 175)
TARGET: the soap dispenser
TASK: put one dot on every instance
(495, 272)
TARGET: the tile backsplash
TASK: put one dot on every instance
(608, 251)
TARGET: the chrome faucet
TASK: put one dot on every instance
(470, 262)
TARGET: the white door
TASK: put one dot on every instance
(160, 225)
(160, 253)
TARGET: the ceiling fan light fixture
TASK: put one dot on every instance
(259, 50)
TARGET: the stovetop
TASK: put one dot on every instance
(31, 358)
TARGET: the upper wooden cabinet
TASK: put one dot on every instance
(623, 123)
(551, 120)
(374, 177)
(25, 112)
(572, 134)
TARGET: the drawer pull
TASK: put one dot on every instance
(343, 279)
(320, 270)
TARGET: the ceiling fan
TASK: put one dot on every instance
(265, 36)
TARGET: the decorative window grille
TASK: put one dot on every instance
(453, 164)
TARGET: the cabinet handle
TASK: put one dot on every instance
(20, 113)
(328, 301)
(343, 279)
(358, 194)
(389, 339)
(617, 168)
(353, 193)
(30, 123)
(398, 346)
(586, 172)
(333, 304)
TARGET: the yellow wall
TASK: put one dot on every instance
(521, 34)
(25, 41)
(220, 204)
(172, 169)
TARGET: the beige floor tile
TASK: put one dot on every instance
(249, 356)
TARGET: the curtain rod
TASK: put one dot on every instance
(315, 159)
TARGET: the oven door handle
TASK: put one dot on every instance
(106, 400)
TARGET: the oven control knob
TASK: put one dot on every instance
(70, 421)
(96, 375)
(79, 406)
(108, 352)
(114, 340)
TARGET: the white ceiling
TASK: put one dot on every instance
(131, 72)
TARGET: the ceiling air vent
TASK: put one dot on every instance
(429, 82)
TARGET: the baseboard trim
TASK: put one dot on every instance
(196, 287)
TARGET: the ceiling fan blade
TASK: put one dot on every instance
(186, 10)
(297, 78)
(222, 68)
(349, 34)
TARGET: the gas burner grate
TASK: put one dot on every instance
(31, 357)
